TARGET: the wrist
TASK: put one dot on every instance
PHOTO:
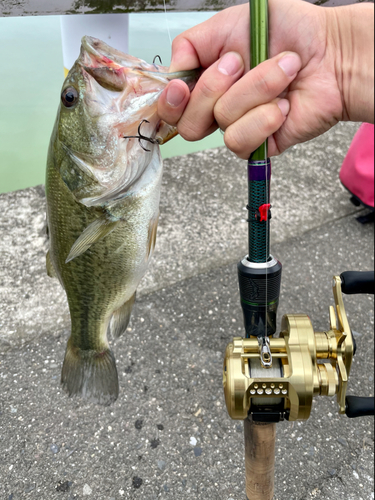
(351, 40)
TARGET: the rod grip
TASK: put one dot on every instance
(355, 282)
(259, 210)
(260, 443)
(359, 407)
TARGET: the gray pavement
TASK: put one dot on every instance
(168, 436)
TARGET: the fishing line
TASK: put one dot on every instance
(267, 243)
(167, 22)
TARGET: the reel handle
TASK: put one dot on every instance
(359, 407)
(354, 282)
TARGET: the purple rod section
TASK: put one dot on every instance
(259, 170)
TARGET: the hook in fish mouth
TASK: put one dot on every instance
(141, 137)
(157, 57)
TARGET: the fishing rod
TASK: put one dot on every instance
(259, 283)
(268, 379)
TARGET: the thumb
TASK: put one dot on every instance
(184, 55)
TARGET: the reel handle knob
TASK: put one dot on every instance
(359, 407)
(354, 282)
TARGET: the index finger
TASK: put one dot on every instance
(204, 44)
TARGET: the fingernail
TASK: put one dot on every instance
(284, 106)
(230, 64)
(175, 95)
(290, 64)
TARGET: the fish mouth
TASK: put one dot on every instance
(118, 100)
(112, 68)
(134, 85)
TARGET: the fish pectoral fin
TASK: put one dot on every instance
(151, 240)
(50, 269)
(120, 318)
(95, 232)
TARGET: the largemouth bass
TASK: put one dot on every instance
(103, 182)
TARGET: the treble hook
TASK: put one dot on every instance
(142, 137)
(157, 57)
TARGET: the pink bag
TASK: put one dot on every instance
(357, 171)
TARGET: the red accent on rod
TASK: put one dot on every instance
(263, 212)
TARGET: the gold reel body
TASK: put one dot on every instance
(313, 364)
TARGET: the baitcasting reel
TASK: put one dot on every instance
(301, 364)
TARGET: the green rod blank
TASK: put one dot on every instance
(259, 52)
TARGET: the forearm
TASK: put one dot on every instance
(352, 35)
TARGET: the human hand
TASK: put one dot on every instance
(295, 96)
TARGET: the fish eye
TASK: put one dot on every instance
(69, 97)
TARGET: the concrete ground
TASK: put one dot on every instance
(169, 436)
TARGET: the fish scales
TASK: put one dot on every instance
(103, 192)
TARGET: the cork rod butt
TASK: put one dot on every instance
(260, 442)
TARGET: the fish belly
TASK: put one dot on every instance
(99, 283)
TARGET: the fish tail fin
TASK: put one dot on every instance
(91, 375)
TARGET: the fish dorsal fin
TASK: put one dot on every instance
(95, 232)
(120, 318)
